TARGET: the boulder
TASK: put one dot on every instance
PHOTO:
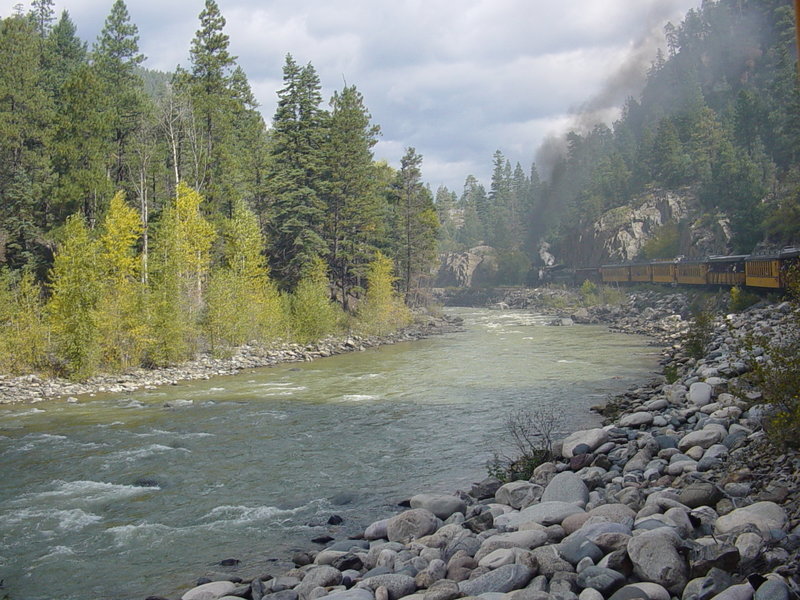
(527, 539)
(396, 585)
(644, 590)
(377, 530)
(518, 494)
(763, 515)
(700, 493)
(411, 524)
(700, 393)
(503, 579)
(352, 594)
(636, 419)
(705, 438)
(655, 558)
(544, 513)
(593, 438)
(210, 591)
(566, 487)
(441, 505)
(601, 579)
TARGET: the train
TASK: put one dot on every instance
(769, 270)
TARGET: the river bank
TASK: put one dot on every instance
(678, 495)
(31, 389)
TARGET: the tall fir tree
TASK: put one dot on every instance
(415, 226)
(116, 57)
(296, 211)
(353, 204)
(26, 115)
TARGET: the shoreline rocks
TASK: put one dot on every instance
(677, 496)
(31, 389)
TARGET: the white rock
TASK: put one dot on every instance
(210, 591)
(763, 515)
(636, 419)
(699, 393)
(591, 437)
(711, 434)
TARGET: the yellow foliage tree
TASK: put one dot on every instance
(180, 264)
(121, 321)
(23, 326)
(314, 315)
(383, 311)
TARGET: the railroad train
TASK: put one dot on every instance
(766, 271)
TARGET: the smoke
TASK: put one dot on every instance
(628, 80)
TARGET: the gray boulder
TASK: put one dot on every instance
(700, 493)
(600, 579)
(210, 591)
(593, 438)
(441, 505)
(397, 585)
(763, 515)
(655, 558)
(566, 487)
(503, 579)
(352, 594)
(544, 513)
(636, 419)
(411, 524)
(518, 494)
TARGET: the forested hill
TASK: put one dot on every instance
(716, 129)
(78, 124)
(146, 217)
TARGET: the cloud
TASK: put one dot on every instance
(454, 80)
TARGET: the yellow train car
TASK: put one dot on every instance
(663, 271)
(691, 272)
(641, 272)
(615, 273)
(770, 270)
(726, 270)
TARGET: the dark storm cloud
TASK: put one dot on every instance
(455, 80)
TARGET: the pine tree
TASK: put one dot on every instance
(213, 104)
(116, 57)
(25, 132)
(416, 225)
(354, 210)
(296, 214)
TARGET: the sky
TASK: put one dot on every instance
(456, 80)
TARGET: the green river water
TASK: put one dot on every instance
(121, 497)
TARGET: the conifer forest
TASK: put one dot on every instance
(148, 216)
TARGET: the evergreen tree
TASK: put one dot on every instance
(25, 133)
(296, 214)
(353, 204)
(213, 104)
(415, 226)
(116, 57)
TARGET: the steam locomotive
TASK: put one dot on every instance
(766, 271)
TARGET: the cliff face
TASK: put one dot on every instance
(620, 234)
(466, 269)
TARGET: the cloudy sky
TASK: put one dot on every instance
(457, 80)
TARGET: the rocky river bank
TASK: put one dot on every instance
(34, 388)
(677, 496)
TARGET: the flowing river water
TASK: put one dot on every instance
(123, 496)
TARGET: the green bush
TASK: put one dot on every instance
(699, 334)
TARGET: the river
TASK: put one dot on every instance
(123, 496)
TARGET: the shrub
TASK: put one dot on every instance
(531, 435)
(776, 373)
(699, 334)
(741, 299)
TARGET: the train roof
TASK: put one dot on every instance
(789, 252)
(727, 258)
